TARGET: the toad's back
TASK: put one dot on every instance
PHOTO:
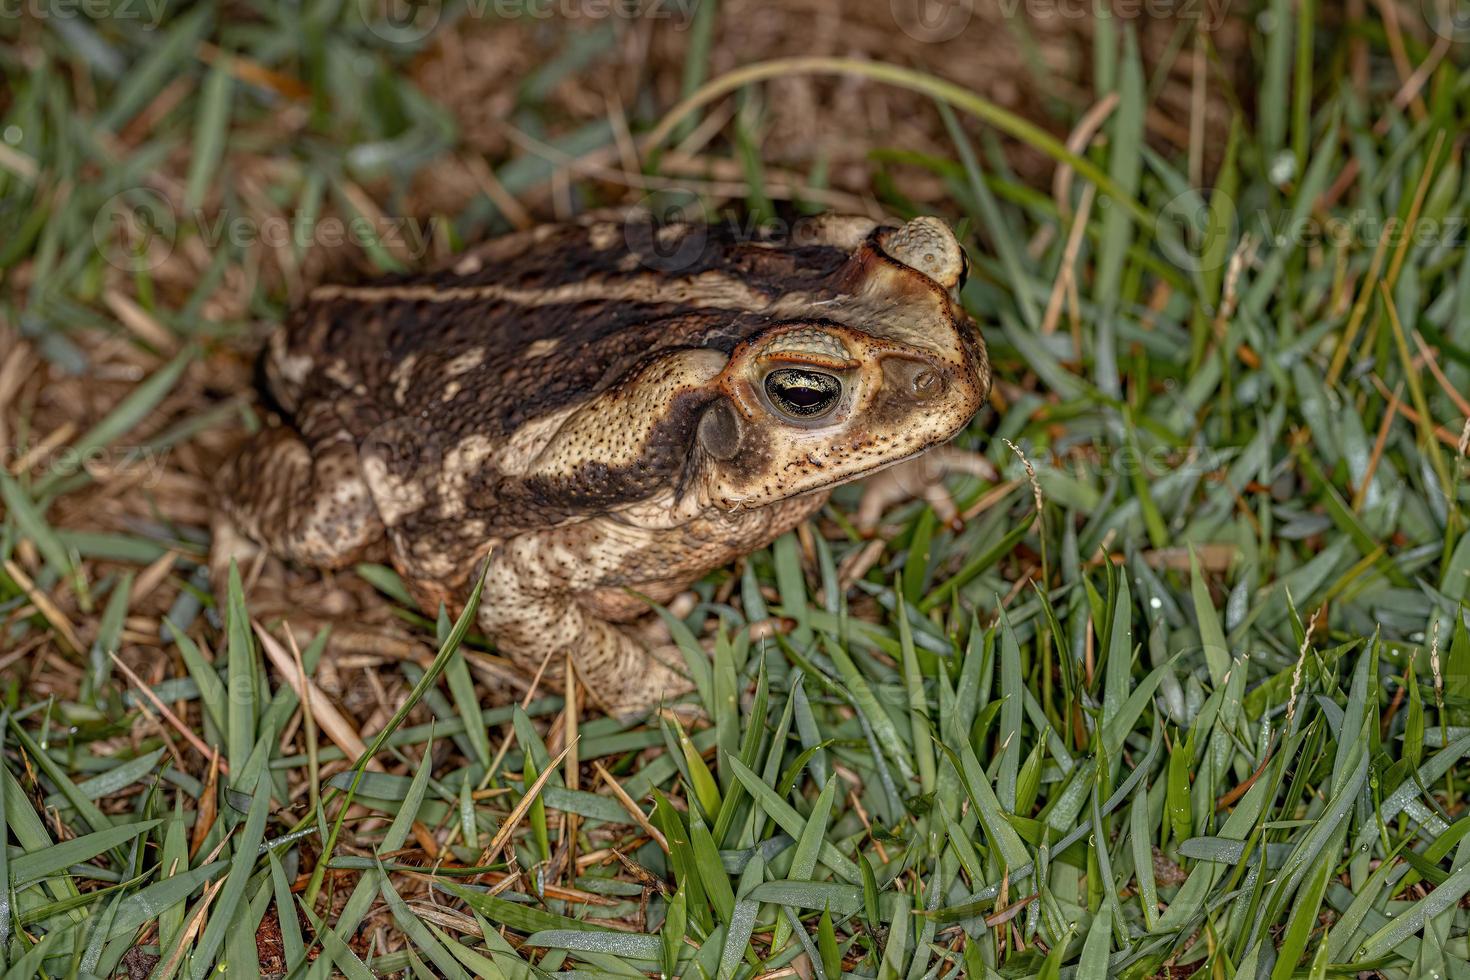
(532, 323)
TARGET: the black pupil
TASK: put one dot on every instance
(802, 393)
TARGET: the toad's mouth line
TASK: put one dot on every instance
(838, 481)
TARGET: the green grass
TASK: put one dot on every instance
(1193, 694)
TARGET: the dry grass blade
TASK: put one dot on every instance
(208, 806)
(191, 929)
(140, 322)
(45, 607)
(168, 715)
(341, 731)
(519, 812)
(632, 807)
(1431, 362)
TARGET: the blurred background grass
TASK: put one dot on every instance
(1185, 694)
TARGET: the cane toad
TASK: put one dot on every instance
(604, 412)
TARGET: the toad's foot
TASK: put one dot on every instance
(921, 477)
(662, 683)
(623, 676)
(538, 625)
(227, 545)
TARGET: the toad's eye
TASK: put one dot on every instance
(802, 394)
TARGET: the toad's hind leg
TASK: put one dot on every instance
(536, 621)
(304, 503)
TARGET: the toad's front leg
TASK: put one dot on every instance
(534, 607)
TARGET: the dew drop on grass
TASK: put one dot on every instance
(1283, 168)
